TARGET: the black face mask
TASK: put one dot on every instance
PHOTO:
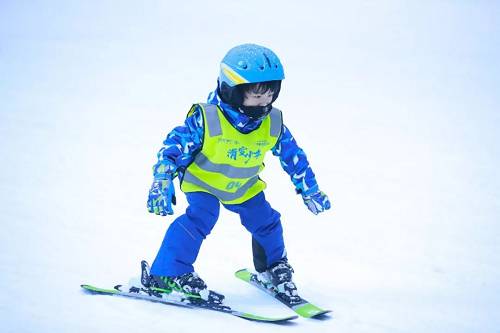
(255, 112)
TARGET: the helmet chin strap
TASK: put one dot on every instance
(255, 112)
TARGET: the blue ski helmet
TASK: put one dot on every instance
(247, 64)
(250, 63)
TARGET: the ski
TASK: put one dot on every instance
(303, 308)
(148, 293)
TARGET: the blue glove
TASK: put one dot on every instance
(316, 202)
(161, 197)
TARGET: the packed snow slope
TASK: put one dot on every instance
(396, 104)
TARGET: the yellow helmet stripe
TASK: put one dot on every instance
(232, 75)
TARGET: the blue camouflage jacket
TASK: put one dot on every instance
(184, 142)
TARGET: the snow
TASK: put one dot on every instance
(395, 103)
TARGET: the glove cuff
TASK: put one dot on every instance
(163, 176)
(310, 191)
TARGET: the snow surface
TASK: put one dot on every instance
(395, 102)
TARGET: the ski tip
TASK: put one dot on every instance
(244, 274)
(96, 290)
(88, 287)
(253, 317)
(322, 314)
(309, 310)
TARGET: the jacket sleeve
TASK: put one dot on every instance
(180, 146)
(294, 161)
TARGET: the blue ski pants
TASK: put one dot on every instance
(185, 235)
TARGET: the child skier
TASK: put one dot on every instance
(218, 154)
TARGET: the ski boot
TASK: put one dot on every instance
(189, 284)
(279, 275)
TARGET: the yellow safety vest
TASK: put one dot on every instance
(229, 162)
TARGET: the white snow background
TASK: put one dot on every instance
(396, 104)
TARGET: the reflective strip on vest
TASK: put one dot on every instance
(222, 195)
(213, 121)
(276, 122)
(226, 169)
